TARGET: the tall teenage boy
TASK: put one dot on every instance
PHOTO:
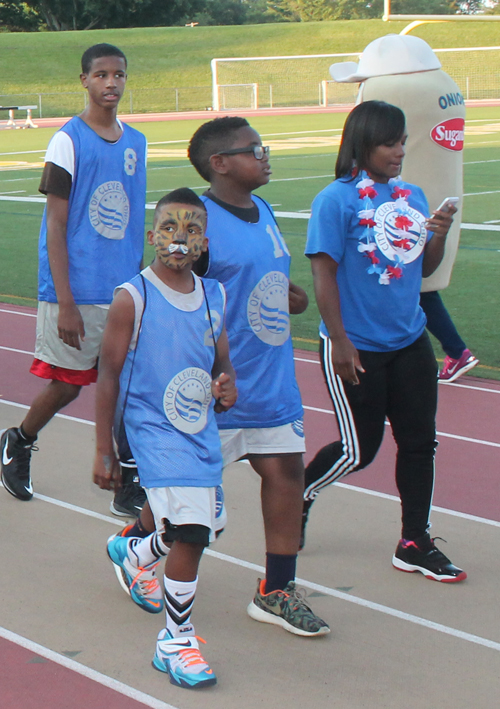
(91, 240)
(249, 256)
(165, 336)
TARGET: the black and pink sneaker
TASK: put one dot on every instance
(422, 555)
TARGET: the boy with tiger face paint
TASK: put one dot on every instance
(178, 234)
(165, 359)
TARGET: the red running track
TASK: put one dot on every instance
(467, 422)
(467, 481)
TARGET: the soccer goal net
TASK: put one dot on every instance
(304, 80)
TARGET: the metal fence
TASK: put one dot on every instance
(70, 103)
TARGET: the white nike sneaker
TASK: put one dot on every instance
(181, 659)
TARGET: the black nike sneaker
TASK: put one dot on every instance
(130, 498)
(424, 556)
(16, 457)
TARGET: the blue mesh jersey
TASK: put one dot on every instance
(166, 386)
(253, 263)
(105, 228)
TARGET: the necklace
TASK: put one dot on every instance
(402, 236)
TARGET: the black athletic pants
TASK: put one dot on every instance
(399, 385)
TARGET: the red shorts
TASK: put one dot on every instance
(70, 376)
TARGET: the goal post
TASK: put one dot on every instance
(280, 80)
(417, 20)
(304, 80)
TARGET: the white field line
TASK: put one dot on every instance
(145, 699)
(326, 590)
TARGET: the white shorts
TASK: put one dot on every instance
(240, 442)
(51, 349)
(188, 505)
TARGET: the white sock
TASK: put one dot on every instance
(147, 551)
(179, 599)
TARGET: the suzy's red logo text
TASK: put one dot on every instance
(449, 134)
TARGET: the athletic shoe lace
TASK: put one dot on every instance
(192, 656)
(147, 585)
(23, 456)
(437, 553)
(24, 452)
(298, 597)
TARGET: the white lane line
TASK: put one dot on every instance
(466, 439)
(17, 312)
(88, 672)
(386, 610)
(13, 349)
(444, 510)
(479, 441)
(435, 508)
(61, 416)
(452, 385)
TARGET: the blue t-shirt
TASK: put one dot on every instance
(252, 261)
(376, 234)
(166, 384)
(105, 227)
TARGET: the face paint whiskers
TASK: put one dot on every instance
(173, 248)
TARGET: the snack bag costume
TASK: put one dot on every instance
(404, 71)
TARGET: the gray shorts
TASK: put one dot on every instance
(51, 349)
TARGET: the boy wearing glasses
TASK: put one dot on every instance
(250, 257)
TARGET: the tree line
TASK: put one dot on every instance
(58, 15)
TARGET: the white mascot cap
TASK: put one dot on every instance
(392, 54)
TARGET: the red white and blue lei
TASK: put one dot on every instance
(402, 242)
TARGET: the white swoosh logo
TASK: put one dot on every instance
(5, 458)
(29, 488)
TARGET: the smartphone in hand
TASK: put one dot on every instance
(446, 203)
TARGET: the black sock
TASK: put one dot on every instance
(137, 530)
(280, 570)
(24, 435)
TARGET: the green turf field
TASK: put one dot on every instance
(303, 156)
(180, 56)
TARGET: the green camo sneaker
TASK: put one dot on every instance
(286, 608)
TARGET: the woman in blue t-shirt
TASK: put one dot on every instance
(370, 241)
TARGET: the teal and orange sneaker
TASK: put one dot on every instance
(181, 659)
(140, 582)
(288, 609)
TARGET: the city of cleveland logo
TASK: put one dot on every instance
(109, 210)
(187, 398)
(267, 309)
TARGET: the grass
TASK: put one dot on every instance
(299, 173)
(180, 56)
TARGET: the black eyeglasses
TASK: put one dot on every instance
(258, 150)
